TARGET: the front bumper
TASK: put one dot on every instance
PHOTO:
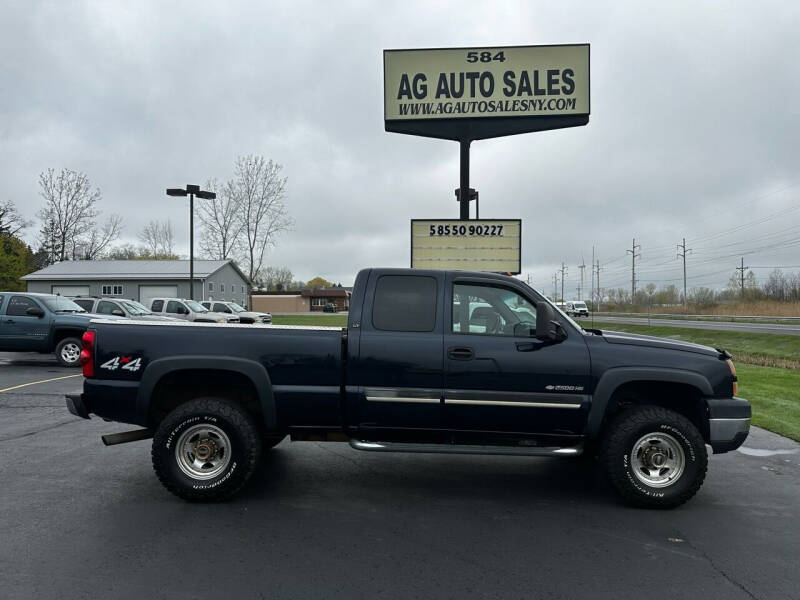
(728, 423)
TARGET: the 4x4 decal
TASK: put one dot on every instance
(126, 363)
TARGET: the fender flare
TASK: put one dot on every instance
(255, 372)
(613, 378)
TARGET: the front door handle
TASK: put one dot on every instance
(461, 353)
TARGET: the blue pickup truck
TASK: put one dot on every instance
(42, 323)
(430, 361)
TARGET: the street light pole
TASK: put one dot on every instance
(191, 191)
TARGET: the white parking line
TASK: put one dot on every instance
(22, 385)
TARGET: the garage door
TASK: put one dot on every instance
(71, 290)
(148, 292)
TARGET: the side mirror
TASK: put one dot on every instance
(547, 326)
(117, 313)
(35, 311)
(524, 330)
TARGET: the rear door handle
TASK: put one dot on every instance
(460, 353)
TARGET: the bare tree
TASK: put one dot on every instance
(221, 221)
(158, 238)
(275, 278)
(69, 226)
(94, 244)
(258, 190)
(11, 222)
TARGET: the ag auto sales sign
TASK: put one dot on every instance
(478, 83)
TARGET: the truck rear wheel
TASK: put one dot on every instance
(654, 457)
(206, 450)
(68, 352)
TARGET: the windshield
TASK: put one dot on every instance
(579, 304)
(135, 308)
(195, 306)
(235, 307)
(60, 304)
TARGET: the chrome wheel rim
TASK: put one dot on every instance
(657, 460)
(70, 353)
(203, 451)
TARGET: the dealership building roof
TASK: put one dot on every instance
(128, 269)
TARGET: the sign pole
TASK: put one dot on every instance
(464, 192)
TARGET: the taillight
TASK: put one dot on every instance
(87, 354)
(733, 375)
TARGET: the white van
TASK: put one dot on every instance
(576, 308)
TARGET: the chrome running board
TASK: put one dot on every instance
(467, 449)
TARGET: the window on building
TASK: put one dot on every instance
(112, 289)
(319, 301)
(222, 288)
(19, 305)
(404, 303)
(210, 286)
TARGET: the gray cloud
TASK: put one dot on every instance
(693, 129)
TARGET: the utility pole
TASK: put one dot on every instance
(682, 254)
(741, 269)
(634, 256)
(599, 289)
(563, 272)
(591, 268)
(582, 267)
(555, 286)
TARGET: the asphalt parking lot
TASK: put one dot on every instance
(79, 520)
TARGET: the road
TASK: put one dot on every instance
(79, 520)
(716, 325)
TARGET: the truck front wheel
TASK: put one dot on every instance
(206, 450)
(68, 352)
(655, 458)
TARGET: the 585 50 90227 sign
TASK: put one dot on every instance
(492, 245)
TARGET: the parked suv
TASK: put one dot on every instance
(188, 310)
(43, 323)
(118, 307)
(231, 308)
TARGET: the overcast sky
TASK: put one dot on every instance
(694, 128)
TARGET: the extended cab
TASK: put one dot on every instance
(42, 323)
(430, 361)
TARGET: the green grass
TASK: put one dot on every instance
(764, 349)
(324, 320)
(775, 396)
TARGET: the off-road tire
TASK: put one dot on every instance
(244, 452)
(632, 425)
(60, 349)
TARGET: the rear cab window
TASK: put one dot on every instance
(157, 306)
(85, 304)
(405, 303)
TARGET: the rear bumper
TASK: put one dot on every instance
(728, 423)
(111, 400)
